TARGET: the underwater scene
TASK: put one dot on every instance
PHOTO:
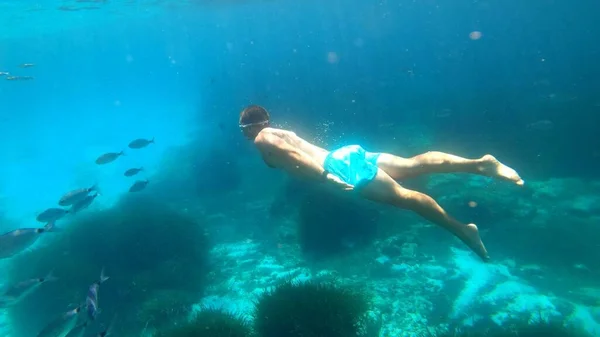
(279, 168)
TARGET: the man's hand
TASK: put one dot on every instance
(332, 178)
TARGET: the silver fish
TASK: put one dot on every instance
(16, 241)
(91, 301)
(85, 203)
(51, 214)
(19, 78)
(109, 157)
(16, 293)
(138, 185)
(61, 325)
(4, 73)
(133, 171)
(27, 65)
(140, 143)
(76, 196)
(79, 330)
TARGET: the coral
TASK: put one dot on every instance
(310, 309)
(211, 322)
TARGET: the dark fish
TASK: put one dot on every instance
(19, 78)
(61, 325)
(133, 171)
(109, 157)
(79, 330)
(16, 241)
(138, 185)
(91, 301)
(16, 293)
(76, 196)
(51, 214)
(140, 143)
(83, 204)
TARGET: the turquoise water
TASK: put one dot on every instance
(514, 79)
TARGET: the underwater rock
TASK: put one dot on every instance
(517, 327)
(329, 224)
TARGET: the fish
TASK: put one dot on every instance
(4, 73)
(51, 214)
(140, 143)
(16, 241)
(76, 196)
(91, 301)
(83, 204)
(78, 330)
(133, 171)
(138, 185)
(62, 324)
(16, 293)
(19, 78)
(27, 65)
(109, 157)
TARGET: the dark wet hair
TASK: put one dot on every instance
(254, 114)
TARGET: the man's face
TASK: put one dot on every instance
(249, 132)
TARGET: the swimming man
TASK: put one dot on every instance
(373, 176)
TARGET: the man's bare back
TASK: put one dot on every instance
(277, 159)
(373, 175)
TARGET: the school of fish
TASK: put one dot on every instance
(22, 239)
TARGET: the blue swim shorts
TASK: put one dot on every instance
(352, 164)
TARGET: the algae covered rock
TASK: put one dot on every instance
(211, 322)
(156, 258)
(310, 309)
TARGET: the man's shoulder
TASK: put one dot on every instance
(266, 136)
(271, 134)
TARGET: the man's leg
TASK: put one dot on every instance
(385, 190)
(438, 162)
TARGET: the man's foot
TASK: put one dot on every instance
(491, 167)
(473, 240)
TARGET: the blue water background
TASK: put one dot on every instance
(166, 70)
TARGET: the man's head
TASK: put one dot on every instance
(253, 119)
